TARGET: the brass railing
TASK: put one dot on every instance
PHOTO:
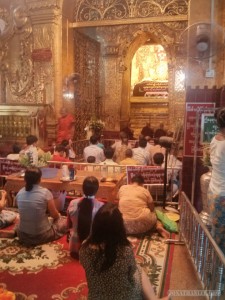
(207, 257)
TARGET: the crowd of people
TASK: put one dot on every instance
(96, 232)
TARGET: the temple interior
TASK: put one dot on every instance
(121, 62)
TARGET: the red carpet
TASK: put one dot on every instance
(47, 272)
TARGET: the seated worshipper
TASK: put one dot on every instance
(141, 155)
(31, 149)
(80, 215)
(160, 131)
(137, 208)
(69, 149)
(99, 144)
(108, 259)
(120, 150)
(109, 152)
(173, 174)
(59, 154)
(94, 150)
(158, 159)
(174, 166)
(128, 160)
(35, 204)
(141, 137)
(157, 148)
(16, 148)
(149, 146)
(6, 217)
(147, 131)
(91, 160)
(118, 143)
(128, 131)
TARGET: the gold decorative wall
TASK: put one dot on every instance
(118, 45)
(92, 10)
(29, 59)
(87, 97)
(34, 53)
(134, 22)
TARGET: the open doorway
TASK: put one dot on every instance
(147, 88)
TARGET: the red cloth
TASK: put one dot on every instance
(65, 128)
(57, 157)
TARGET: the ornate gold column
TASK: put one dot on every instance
(46, 21)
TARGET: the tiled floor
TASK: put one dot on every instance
(183, 275)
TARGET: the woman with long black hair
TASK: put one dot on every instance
(108, 259)
(35, 205)
(80, 214)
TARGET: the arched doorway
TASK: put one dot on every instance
(141, 109)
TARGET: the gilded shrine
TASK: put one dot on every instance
(44, 42)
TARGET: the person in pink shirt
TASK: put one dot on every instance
(80, 215)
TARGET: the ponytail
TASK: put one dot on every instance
(32, 176)
(84, 222)
(85, 207)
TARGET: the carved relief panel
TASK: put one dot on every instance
(27, 39)
(92, 10)
(161, 21)
(118, 45)
(25, 74)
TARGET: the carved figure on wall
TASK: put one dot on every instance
(16, 66)
(25, 65)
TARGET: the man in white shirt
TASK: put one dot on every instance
(141, 155)
(109, 161)
(94, 150)
(31, 149)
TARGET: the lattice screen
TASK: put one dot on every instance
(87, 100)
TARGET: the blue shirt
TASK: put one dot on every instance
(32, 207)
